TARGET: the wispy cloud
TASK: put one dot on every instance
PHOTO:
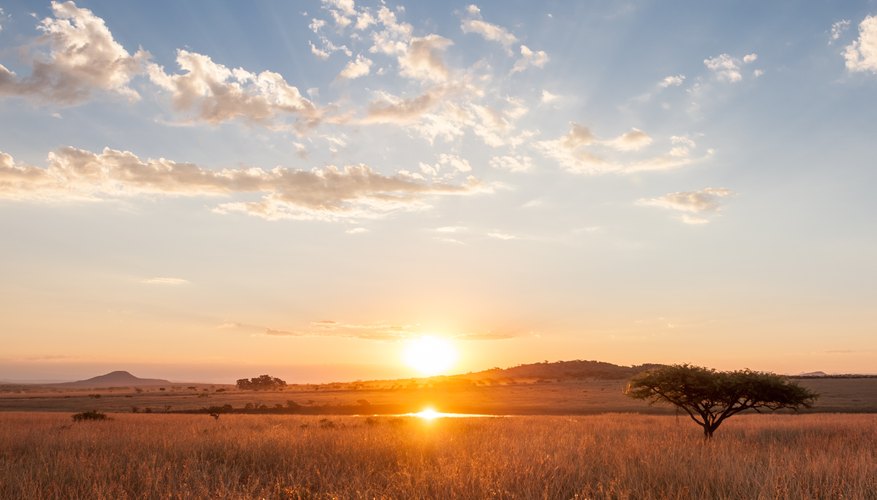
(165, 281)
(694, 205)
(473, 23)
(530, 58)
(580, 151)
(381, 331)
(322, 193)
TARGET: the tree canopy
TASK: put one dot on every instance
(709, 396)
(262, 382)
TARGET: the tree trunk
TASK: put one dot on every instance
(708, 432)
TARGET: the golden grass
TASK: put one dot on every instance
(46, 455)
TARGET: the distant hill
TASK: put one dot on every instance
(114, 379)
(565, 370)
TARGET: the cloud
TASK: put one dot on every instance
(502, 236)
(331, 328)
(393, 109)
(82, 57)
(837, 29)
(512, 163)
(451, 229)
(423, 59)
(692, 204)
(328, 193)
(320, 53)
(548, 97)
(727, 68)
(491, 32)
(580, 151)
(357, 230)
(530, 58)
(165, 281)
(671, 81)
(213, 93)
(861, 54)
(381, 331)
(633, 140)
(361, 66)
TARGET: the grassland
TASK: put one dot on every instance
(504, 397)
(46, 455)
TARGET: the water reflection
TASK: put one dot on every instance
(432, 414)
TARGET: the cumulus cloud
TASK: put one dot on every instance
(210, 92)
(361, 66)
(837, 29)
(727, 68)
(530, 58)
(423, 58)
(82, 57)
(580, 151)
(861, 54)
(692, 204)
(672, 81)
(491, 32)
(326, 193)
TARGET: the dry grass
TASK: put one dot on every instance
(46, 455)
(511, 397)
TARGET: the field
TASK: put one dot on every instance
(47, 455)
(506, 397)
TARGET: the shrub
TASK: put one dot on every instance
(90, 415)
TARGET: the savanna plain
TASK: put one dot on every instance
(47, 455)
(556, 438)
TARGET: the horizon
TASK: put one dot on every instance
(328, 372)
(360, 190)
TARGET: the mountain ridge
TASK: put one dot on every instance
(118, 378)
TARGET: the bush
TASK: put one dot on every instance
(261, 383)
(90, 415)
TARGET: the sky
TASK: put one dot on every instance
(206, 191)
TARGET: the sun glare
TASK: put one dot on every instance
(427, 414)
(430, 355)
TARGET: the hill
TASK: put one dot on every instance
(564, 370)
(114, 379)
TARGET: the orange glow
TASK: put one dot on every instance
(430, 355)
(428, 414)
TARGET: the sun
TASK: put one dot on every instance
(430, 355)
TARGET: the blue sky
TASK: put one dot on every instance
(205, 189)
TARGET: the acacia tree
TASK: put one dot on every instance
(709, 397)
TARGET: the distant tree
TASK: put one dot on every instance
(261, 383)
(709, 397)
